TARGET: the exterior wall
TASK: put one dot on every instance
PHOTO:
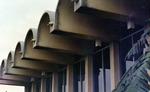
(89, 79)
(67, 41)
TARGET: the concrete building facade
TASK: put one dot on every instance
(79, 48)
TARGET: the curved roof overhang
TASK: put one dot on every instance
(3, 67)
(16, 71)
(121, 10)
(58, 42)
(86, 26)
(30, 63)
(38, 54)
(4, 76)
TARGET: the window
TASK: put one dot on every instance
(38, 85)
(29, 87)
(102, 80)
(62, 81)
(126, 44)
(79, 76)
(49, 83)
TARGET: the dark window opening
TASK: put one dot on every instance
(49, 83)
(62, 81)
(102, 80)
(79, 76)
(38, 85)
(126, 44)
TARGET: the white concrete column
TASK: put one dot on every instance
(55, 82)
(43, 84)
(33, 88)
(69, 78)
(89, 74)
(114, 64)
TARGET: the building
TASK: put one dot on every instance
(79, 48)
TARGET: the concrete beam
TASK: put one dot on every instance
(30, 63)
(58, 42)
(69, 23)
(120, 10)
(15, 78)
(12, 82)
(16, 71)
(49, 56)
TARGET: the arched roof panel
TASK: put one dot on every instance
(59, 43)
(86, 26)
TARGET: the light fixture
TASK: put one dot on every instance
(32, 79)
(97, 43)
(130, 24)
(43, 73)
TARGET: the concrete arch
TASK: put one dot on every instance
(3, 76)
(30, 63)
(3, 67)
(59, 43)
(31, 36)
(86, 26)
(45, 24)
(17, 71)
(42, 55)
(10, 60)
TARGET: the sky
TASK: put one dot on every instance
(16, 17)
(8, 88)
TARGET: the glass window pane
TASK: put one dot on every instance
(38, 86)
(102, 79)
(108, 80)
(124, 47)
(49, 84)
(137, 36)
(65, 73)
(83, 75)
(76, 73)
(98, 72)
(62, 81)
(79, 76)
(106, 61)
(129, 64)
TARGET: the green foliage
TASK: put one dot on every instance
(139, 45)
(137, 78)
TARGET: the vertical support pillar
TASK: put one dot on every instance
(114, 64)
(89, 74)
(55, 82)
(43, 84)
(69, 78)
(26, 89)
(33, 88)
